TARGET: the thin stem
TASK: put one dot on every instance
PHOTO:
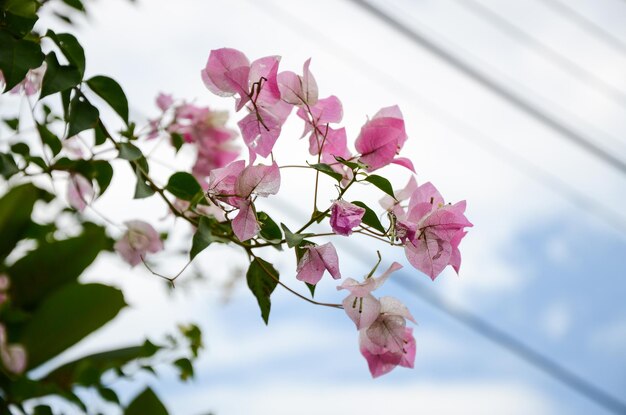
(290, 289)
(169, 279)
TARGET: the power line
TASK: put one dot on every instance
(463, 130)
(567, 65)
(510, 96)
(514, 345)
(587, 24)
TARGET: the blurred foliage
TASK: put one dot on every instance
(45, 308)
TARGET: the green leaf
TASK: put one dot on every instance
(111, 92)
(369, 217)
(177, 141)
(17, 57)
(262, 280)
(19, 16)
(270, 231)
(49, 139)
(21, 149)
(42, 410)
(142, 188)
(109, 395)
(68, 374)
(185, 368)
(326, 169)
(380, 182)
(146, 403)
(204, 237)
(58, 77)
(37, 274)
(8, 167)
(130, 152)
(83, 116)
(15, 209)
(351, 164)
(13, 123)
(183, 186)
(66, 316)
(311, 288)
(102, 174)
(75, 4)
(293, 239)
(72, 50)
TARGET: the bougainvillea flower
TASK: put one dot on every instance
(298, 90)
(226, 74)
(435, 231)
(325, 111)
(13, 356)
(382, 361)
(345, 216)
(390, 204)
(245, 224)
(260, 130)
(317, 259)
(222, 182)
(32, 82)
(360, 305)
(80, 192)
(164, 101)
(260, 180)
(139, 239)
(381, 138)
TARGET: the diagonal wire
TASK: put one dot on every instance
(589, 25)
(611, 217)
(484, 80)
(558, 59)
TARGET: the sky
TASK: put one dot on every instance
(544, 262)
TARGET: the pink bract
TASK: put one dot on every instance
(315, 261)
(80, 192)
(345, 216)
(381, 138)
(140, 239)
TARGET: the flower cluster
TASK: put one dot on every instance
(201, 127)
(419, 221)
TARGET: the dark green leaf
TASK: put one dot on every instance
(142, 188)
(185, 368)
(177, 141)
(270, 231)
(8, 167)
(370, 218)
(66, 375)
(13, 123)
(17, 57)
(130, 152)
(83, 116)
(49, 139)
(58, 77)
(382, 183)
(262, 279)
(66, 316)
(102, 173)
(183, 186)
(311, 288)
(146, 403)
(15, 209)
(101, 134)
(109, 395)
(75, 4)
(110, 91)
(37, 274)
(326, 169)
(204, 236)
(19, 25)
(42, 410)
(72, 50)
(21, 149)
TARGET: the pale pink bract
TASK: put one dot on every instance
(140, 238)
